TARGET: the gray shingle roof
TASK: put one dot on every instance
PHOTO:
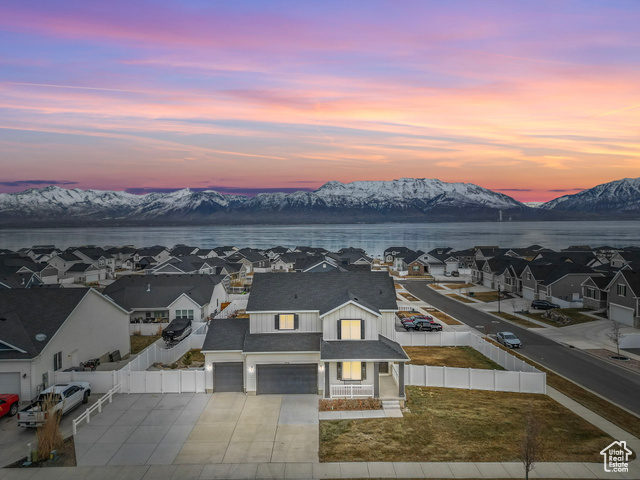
(157, 291)
(26, 313)
(272, 292)
(226, 334)
(382, 349)
(282, 342)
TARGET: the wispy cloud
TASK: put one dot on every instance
(28, 183)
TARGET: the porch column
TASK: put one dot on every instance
(327, 380)
(401, 379)
(376, 380)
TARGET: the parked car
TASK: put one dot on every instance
(423, 324)
(66, 397)
(543, 305)
(9, 404)
(455, 273)
(508, 339)
(416, 317)
(178, 329)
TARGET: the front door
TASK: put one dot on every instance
(383, 368)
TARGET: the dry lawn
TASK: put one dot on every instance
(575, 314)
(435, 286)
(517, 320)
(140, 342)
(444, 318)
(458, 286)
(616, 415)
(462, 426)
(409, 297)
(491, 296)
(458, 357)
(459, 298)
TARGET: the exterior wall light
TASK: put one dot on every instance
(251, 369)
(321, 367)
(209, 367)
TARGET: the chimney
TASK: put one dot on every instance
(148, 287)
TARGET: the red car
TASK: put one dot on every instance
(9, 404)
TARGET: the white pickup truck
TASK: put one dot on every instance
(66, 397)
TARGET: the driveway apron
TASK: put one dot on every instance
(188, 429)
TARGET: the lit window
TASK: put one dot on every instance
(286, 322)
(350, 330)
(351, 370)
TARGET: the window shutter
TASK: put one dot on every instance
(361, 329)
(339, 330)
(296, 322)
(363, 367)
(339, 370)
(277, 324)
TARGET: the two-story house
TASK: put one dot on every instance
(308, 333)
(624, 297)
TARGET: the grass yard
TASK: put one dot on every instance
(462, 426)
(458, 357)
(398, 287)
(517, 320)
(458, 286)
(575, 314)
(435, 286)
(443, 317)
(140, 342)
(491, 296)
(616, 415)
(460, 298)
(409, 297)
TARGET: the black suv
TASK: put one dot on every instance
(423, 324)
(543, 305)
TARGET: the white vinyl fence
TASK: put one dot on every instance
(473, 379)
(520, 377)
(146, 329)
(134, 377)
(233, 307)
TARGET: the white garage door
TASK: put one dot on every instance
(621, 314)
(10, 383)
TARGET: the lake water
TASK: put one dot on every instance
(374, 238)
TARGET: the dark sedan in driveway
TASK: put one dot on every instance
(543, 305)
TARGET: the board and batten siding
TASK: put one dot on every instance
(278, 359)
(333, 374)
(350, 312)
(265, 322)
(387, 324)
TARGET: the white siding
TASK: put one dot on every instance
(350, 312)
(94, 329)
(186, 303)
(218, 296)
(24, 369)
(265, 323)
(217, 357)
(333, 374)
(279, 359)
(387, 324)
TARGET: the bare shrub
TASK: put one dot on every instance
(343, 404)
(48, 434)
(530, 443)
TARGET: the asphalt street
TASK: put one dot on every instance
(617, 384)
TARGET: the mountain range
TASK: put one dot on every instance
(401, 200)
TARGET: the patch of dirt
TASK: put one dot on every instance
(66, 458)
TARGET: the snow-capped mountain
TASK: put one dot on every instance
(615, 197)
(533, 204)
(396, 200)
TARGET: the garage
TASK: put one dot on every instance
(621, 314)
(227, 377)
(279, 379)
(10, 383)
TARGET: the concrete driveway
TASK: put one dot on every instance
(162, 429)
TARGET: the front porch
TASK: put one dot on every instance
(378, 385)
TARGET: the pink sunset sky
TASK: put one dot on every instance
(532, 99)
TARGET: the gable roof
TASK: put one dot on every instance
(272, 292)
(158, 291)
(26, 313)
(226, 334)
